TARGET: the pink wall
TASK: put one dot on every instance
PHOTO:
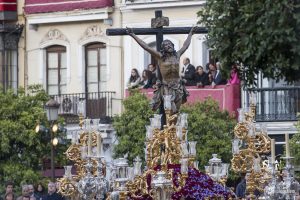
(228, 96)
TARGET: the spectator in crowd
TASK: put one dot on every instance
(241, 187)
(32, 193)
(9, 196)
(234, 75)
(201, 78)
(40, 191)
(188, 72)
(9, 188)
(134, 79)
(153, 71)
(52, 194)
(25, 192)
(146, 81)
(216, 75)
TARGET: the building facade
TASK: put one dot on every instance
(10, 34)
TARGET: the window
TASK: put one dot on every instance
(9, 69)
(56, 70)
(96, 67)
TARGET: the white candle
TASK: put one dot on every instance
(90, 144)
(98, 144)
(273, 151)
(287, 145)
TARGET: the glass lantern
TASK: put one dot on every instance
(183, 120)
(192, 148)
(215, 165)
(137, 166)
(235, 146)
(68, 172)
(184, 149)
(149, 132)
(52, 108)
(179, 132)
(241, 115)
(184, 166)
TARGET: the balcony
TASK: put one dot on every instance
(227, 96)
(96, 104)
(276, 104)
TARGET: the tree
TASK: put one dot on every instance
(263, 35)
(211, 128)
(21, 149)
(130, 126)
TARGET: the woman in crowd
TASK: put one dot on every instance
(201, 78)
(234, 75)
(40, 190)
(146, 81)
(134, 79)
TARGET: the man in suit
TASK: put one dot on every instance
(216, 74)
(188, 72)
(152, 69)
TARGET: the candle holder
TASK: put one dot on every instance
(247, 148)
(217, 170)
(89, 181)
(164, 148)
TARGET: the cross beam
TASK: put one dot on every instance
(154, 31)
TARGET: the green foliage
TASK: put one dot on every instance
(21, 149)
(295, 147)
(130, 126)
(211, 128)
(262, 35)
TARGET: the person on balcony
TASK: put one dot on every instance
(188, 72)
(146, 81)
(201, 78)
(234, 75)
(217, 78)
(152, 69)
(134, 79)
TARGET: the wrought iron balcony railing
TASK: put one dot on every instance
(97, 105)
(276, 104)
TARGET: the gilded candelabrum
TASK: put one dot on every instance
(164, 147)
(248, 146)
(87, 165)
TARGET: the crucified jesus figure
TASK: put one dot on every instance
(168, 60)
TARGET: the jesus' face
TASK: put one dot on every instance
(168, 46)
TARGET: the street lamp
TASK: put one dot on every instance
(51, 108)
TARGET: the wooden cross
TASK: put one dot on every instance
(157, 29)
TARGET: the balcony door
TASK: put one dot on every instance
(95, 79)
(56, 70)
